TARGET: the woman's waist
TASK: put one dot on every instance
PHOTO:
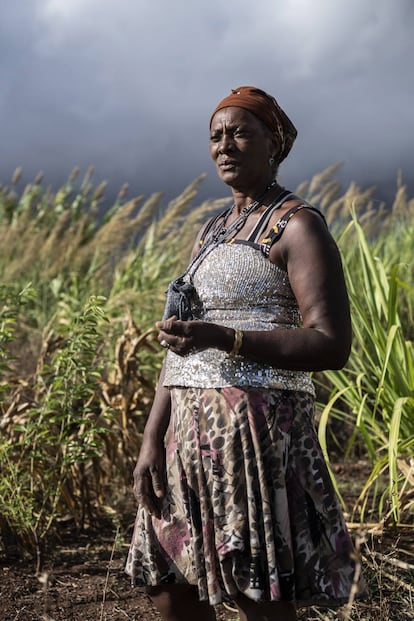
(263, 318)
(213, 368)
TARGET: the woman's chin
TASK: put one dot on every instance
(229, 177)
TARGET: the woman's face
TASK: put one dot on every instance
(241, 146)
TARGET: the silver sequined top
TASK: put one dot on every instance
(239, 288)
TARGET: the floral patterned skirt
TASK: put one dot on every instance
(250, 506)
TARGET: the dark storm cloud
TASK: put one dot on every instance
(128, 86)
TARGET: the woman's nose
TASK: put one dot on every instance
(225, 144)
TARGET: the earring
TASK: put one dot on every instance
(272, 161)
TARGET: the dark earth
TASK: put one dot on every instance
(82, 579)
(85, 582)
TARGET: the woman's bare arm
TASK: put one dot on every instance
(149, 472)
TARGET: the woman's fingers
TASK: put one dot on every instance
(157, 482)
(179, 336)
(168, 325)
(148, 488)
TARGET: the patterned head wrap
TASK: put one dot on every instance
(266, 108)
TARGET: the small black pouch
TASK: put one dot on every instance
(180, 297)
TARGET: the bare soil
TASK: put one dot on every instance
(85, 582)
(82, 579)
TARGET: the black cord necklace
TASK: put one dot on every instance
(222, 232)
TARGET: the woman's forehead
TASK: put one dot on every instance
(234, 115)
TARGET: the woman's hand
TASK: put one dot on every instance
(186, 337)
(149, 475)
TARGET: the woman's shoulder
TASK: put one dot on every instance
(295, 203)
(207, 229)
(295, 214)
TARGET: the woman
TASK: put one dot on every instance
(235, 498)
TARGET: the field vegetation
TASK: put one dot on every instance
(80, 289)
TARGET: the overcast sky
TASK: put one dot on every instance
(129, 86)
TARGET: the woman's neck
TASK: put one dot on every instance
(244, 198)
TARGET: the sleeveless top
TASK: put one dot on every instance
(239, 287)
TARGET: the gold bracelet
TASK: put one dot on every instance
(238, 340)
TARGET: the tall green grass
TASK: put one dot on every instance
(79, 360)
(374, 394)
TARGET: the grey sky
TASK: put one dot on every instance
(129, 85)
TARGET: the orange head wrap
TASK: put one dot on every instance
(266, 108)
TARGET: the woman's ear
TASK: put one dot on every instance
(275, 150)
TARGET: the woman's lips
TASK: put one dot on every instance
(227, 164)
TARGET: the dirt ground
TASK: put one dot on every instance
(82, 583)
(83, 579)
(86, 582)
